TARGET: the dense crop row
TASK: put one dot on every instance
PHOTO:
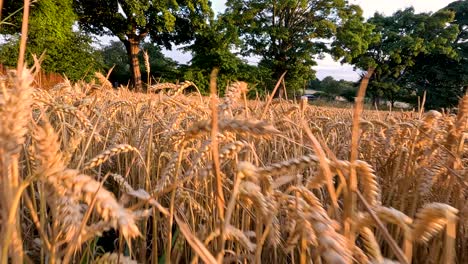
(182, 178)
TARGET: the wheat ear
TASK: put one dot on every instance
(114, 258)
(107, 154)
(430, 220)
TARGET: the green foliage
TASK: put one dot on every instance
(442, 77)
(50, 31)
(115, 56)
(161, 67)
(353, 36)
(335, 87)
(254, 75)
(213, 44)
(399, 41)
(288, 35)
(331, 88)
(212, 48)
(165, 22)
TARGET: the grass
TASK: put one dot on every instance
(267, 182)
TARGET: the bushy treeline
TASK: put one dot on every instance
(412, 54)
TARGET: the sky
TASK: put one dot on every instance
(328, 67)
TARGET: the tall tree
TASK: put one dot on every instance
(213, 45)
(335, 87)
(398, 42)
(161, 67)
(289, 34)
(213, 48)
(115, 57)
(166, 22)
(51, 31)
(443, 78)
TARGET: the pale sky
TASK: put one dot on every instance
(328, 67)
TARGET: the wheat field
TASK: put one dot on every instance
(91, 174)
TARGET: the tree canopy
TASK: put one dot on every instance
(115, 57)
(50, 31)
(165, 22)
(444, 78)
(412, 53)
(399, 41)
(213, 47)
(289, 35)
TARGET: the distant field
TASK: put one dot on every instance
(264, 183)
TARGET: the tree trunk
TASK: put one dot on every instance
(375, 100)
(133, 49)
(277, 73)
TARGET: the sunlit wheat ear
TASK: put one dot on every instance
(81, 187)
(123, 184)
(147, 62)
(47, 152)
(460, 124)
(235, 234)
(380, 123)
(232, 94)
(389, 261)
(366, 125)
(253, 128)
(114, 258)
(368, 180)
(106, 84)
(167, 172)
(251, 191)
(118, 105)
(359, 256)
(300, 227)
(333, 244)
(289, 166)
(386, 215)
(119, 136)
(41, 97)
(72, 146)
(248, 171)
(431, 220)
(69, 215)
(64, 86)
(201, 127)
(107, 154)
(274, 237)
(139, 194)
(75, 112)
(182, 87)
(15, 111)
(371, 245)
(429, 119)
(15, 114)
(230, 150)
(183, 196)
(161, 86)
(32, 158)
(94, 230)
(88, 190)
